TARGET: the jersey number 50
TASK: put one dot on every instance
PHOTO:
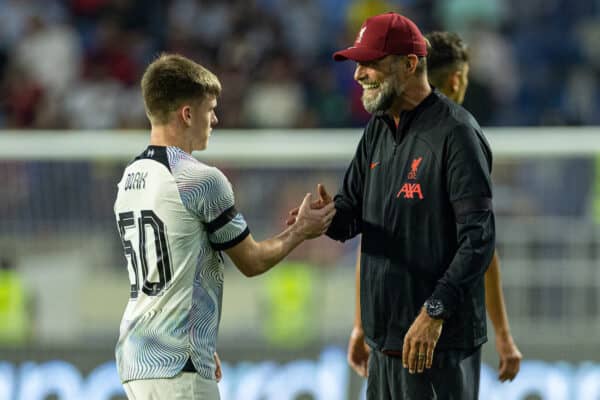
(163, 260)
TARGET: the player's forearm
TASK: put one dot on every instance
(494, 298)
(270, 252)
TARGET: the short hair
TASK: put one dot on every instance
(421, 63)
(170, 81)
(446, 53)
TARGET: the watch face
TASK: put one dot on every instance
(435, 308)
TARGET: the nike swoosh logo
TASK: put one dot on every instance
(374, 164)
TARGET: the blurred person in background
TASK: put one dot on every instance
(275, 98)
(50, 54)
(15, 323)
(167, 343)
(448, 70)
(419, 191)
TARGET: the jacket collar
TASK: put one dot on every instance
(407, 116)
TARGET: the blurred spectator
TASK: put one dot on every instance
(14, 318)
(325, 99)
(50, 54)
(23, 98)
(493, 61)
(275, 99)
(94, 103)
(234, 81)
(206, 22)
(302, 20)
(255, 35)
(581, 97)
(587, 32)
(111, 54)
(13, 19)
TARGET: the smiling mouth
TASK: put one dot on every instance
(370, 86)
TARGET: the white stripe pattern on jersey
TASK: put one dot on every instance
(206, 192)
(184, 322)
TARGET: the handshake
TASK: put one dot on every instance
(312, 218)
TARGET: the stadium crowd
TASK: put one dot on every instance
(533, 62)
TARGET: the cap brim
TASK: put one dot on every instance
(359, 54)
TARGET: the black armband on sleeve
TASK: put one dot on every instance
(464, 207)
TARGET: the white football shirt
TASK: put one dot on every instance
(174, 214)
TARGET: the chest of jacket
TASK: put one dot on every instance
(405, 185)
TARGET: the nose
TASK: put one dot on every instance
(359, 72)
(214, 120)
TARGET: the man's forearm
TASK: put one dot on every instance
(494, 298)
(357, 316)
(476, 241)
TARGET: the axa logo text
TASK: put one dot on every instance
(410, 190)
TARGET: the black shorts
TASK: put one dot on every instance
(452, 377)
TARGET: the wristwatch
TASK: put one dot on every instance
(435, 308)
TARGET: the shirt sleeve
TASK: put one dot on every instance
(348, 202)
(210, 196)
(468, 183)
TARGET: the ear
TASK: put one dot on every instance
(185, 113)
(454, 81)
(411, 63)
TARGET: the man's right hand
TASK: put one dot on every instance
(324, 199)
(310, 221)
(358, 352)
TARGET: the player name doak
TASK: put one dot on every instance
(136, 181)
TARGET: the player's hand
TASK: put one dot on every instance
(420, 342)
(324, 199)
(292, 215)
(510, 358)
(218, 371)
(311, 222)
(358, 352)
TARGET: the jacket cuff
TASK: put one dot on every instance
(445, 298)
(343, 227)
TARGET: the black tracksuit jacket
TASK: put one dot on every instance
(420, 194)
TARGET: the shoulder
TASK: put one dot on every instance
(458, 123)
(186, 168)
(453, 115)
(199, 185)
(467, 132)
(463, 119)
(467, 142)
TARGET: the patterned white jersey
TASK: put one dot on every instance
(174, 214)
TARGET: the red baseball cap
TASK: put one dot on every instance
(383, 35)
